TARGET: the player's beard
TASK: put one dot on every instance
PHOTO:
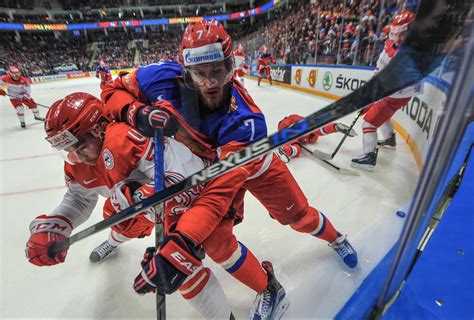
(214, 98)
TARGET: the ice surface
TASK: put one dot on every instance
(318, 285)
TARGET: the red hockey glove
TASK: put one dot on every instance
(2, 92)
(131, 193)
(139, 226)
(177, 258)
(148, 118)
(46, 230)
(292, 150)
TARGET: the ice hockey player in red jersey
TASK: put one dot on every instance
(241, 67)
(379, 113)
(19, 91)
(100, 159)
(265, 60)
(116, 161)
(293, 150)
(228, 120)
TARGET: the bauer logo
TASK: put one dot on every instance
(327, 81)
(208, 53)
(108, 159)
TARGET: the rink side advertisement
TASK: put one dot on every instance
(415, 122)
(338, 81)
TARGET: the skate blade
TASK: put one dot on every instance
(369, 168)
(282, 308)
(387, 147)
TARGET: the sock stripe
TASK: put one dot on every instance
(321, 226)
(369, 130)
(240, 261)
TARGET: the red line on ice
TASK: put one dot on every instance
(29, 157)
(14, 193)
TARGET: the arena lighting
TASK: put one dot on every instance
(133, 23)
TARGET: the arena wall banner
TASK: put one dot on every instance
(281, 74)
(253, 70)
(415, 123)
(330, 81)
(74, 75)
(48, 78)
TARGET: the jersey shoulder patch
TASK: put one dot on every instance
(125, 145)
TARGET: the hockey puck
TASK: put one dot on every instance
(401, 214)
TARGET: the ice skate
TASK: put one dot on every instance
(344, 249)
(23, 125)
(390, 143)
(272, 303)
(101, 252)
(366, 161)
(39, 118)
(342, 128)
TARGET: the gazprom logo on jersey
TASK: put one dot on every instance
(205, 54)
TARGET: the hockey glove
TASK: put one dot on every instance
(139, 226)
(2, 92)
(177, 258)
(148, 118)
(46, 230)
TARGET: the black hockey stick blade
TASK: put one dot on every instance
(328, 164)
(422, 53)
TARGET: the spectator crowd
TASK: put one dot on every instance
(299, 32)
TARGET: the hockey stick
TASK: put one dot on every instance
(39, 104)
(329, 164)
(326, 156)
(346, 134)
(160, 216)
(407, 67)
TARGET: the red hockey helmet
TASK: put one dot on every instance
(14, 72)
(401, 22)
(70, 119)
(206, 54)
(204, 42)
